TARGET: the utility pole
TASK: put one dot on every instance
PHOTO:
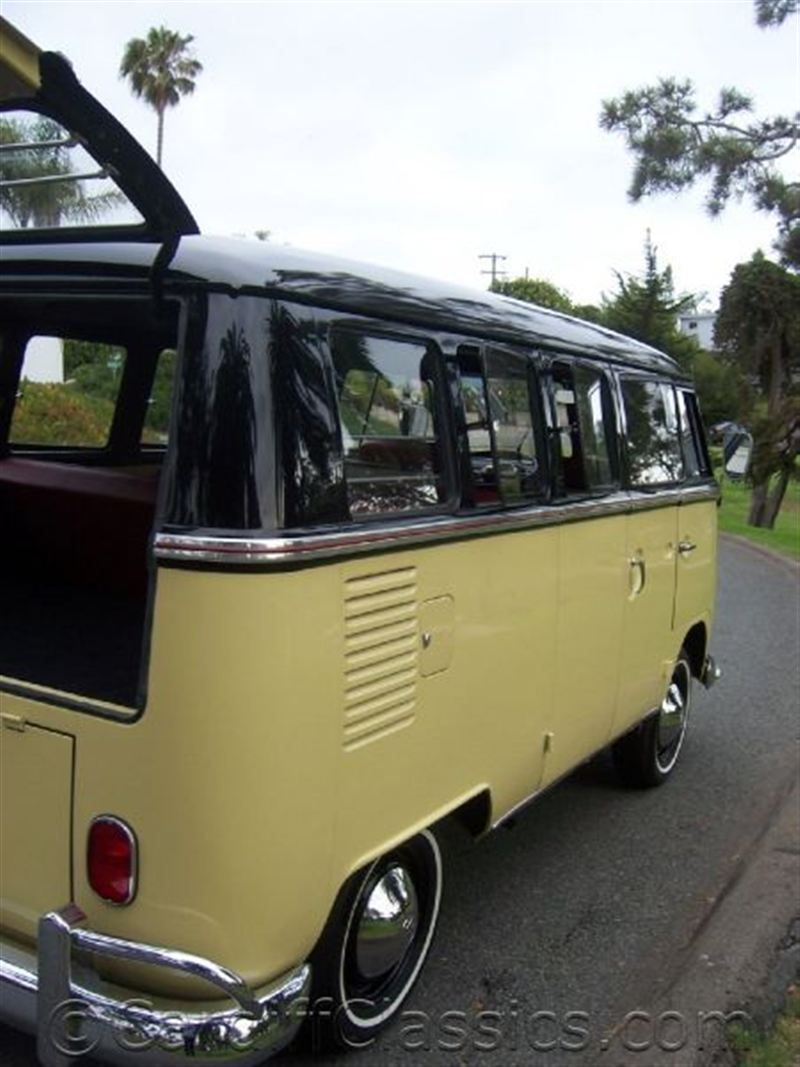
(493, 270)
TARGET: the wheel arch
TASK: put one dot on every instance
(696, 643)
(475, 814)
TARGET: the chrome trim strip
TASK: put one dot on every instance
(17, 976)
(240, 549)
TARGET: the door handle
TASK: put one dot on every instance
(638, 576)
(686, 547)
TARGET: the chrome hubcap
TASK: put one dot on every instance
(672, 717)
(387, 924)
(673, 704)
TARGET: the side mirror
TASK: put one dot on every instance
(737, 450)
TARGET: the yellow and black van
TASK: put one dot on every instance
(298, 558)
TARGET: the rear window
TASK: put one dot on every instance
(49, 180)
(389, 424)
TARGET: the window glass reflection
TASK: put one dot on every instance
(386, 412)
(512, 425)
(653, 444)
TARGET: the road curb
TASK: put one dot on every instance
(738, 964)
(792, 565)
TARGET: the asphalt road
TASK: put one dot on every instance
(553, 931)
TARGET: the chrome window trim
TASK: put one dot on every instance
(238, 550)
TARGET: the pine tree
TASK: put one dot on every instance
(645, 307)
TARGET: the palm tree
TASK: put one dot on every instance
(38, 183)
(161, 69)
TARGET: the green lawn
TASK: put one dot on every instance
(784, 538)
(780, 1047)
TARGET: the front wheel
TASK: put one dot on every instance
(374, 944)
(647, 755)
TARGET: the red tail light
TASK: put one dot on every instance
(111, 860)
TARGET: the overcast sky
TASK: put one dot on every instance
(421, 134)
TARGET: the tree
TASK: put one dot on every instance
(161, 68)
(758, 326)
(721, 388)
(647, 309)
(774, 12)
(673, 145)
(534, 291)
(48, 202)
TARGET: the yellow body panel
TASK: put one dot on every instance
(297, 725)
(35, 815)
(697, 568)
(648, 648)
(19, 63)
(591, 593)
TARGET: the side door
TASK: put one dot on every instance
(588, 507)
(509, 619)
(654, 471)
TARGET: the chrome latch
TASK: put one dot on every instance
(12, 722)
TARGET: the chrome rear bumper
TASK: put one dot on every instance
(74, 1013)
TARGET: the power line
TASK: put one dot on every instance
(493, 270)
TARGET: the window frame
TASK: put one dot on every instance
(610, 405)
(695, 428)
(664, 383)
(62, 317)
(527, 358)
(441, 409)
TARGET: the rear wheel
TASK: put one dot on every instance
(375, 944)
(648, 755)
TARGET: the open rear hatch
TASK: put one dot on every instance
(80, 444)
(56, 135)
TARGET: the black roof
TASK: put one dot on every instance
(242, 266)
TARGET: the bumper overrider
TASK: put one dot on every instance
(74, 1013)
(711, 672)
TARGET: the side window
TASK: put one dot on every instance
(692, 441)
(512, 426)
(504, 465)
(594, 406)
(388, 423)
(68, 392)
(155, 430)
(475, 403)
(582, 403)
(653, 442)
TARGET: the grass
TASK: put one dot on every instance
(784, 538)
(780, 1047)
(58, 414)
